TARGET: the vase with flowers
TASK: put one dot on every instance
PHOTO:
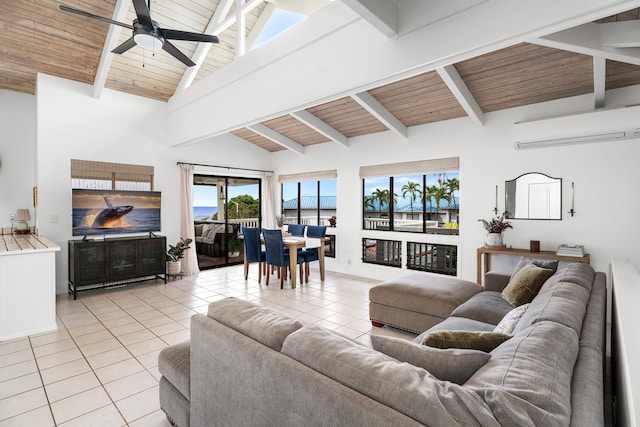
(175, 254)
(495, 227)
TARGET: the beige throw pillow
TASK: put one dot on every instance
(477, 340)
(550, 264)
(524, 286)
(455, 365)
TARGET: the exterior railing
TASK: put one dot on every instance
(308, 220)
(398, 224)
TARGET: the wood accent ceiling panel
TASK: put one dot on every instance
(157, 74)
(624, 16)
(526, 74)
(38, 37)
(347, 117)
(620, 75)
(259, 140)
(418, 100)
(295, 130)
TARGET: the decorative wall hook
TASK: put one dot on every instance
(573, 197)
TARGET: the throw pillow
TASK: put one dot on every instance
(207, 229)
(550, 264)
(525, 284)
(476, 340)
(454, 365)
(198, 230)
(510, 320)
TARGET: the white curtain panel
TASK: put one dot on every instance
(190, 259)
(268, 212)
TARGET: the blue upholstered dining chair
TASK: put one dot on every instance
(296, 229)
(253, 251)
(277, 256)
(311, 254)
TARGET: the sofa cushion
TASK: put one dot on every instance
(264, 325)
(578, 273)
(527, 382)
(560, 302)
(174, 363)
(476, 340)
(550, 264)
(526, 283)
(406, 388)
(487, 307)
(511, 319)
(198, 230)
(435, 294)
(455, 365)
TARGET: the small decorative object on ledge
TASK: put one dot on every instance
(332, 221)
(494, 228)
(534, 245)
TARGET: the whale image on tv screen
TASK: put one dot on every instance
(115, 212)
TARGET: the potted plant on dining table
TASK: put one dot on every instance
(175, 254)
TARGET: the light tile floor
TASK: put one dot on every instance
(100, 366)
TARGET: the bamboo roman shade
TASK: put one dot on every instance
(114, 172)
(309, 176)
(420, 167)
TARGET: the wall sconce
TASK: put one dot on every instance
(495, 210)
(573, 198)
(22, 217)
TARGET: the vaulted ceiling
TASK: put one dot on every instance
(36, 36)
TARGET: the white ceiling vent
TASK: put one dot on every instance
(597, 126)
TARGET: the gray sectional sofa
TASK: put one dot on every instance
(247, 365)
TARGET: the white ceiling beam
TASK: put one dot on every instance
(278, 138)
(621, 34)
(216, 25)
(240, 33)
(459, 89)
(377, 110)
(586, 39)
(382, 14)
(321, 127)
(119, 14)
(599, 81)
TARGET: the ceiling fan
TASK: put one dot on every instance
(148, 33)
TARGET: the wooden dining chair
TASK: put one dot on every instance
(311, 254)
(277, 256)
(253, 251)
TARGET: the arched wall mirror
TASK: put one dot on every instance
(534, 196)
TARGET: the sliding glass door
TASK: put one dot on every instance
(222, 205)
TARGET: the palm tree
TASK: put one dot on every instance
(441, 193)
(381, 195)
(453, 185)
(368, 203)
(413, 189)
(430, 192)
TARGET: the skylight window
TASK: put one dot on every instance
(279, 21)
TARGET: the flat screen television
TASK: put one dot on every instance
(115, 212)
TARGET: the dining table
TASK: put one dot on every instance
(293, 243)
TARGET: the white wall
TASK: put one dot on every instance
(17, 153)
(116, 128)
(605, 175)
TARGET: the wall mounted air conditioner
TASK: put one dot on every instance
(596, 126)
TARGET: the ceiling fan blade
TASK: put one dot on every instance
(92, 16)
(171, 49)
(185, 35)
(124, 46)
(143, 13)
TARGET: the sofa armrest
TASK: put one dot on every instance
(495, 281)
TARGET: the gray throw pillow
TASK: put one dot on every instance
(454, 365)
(526, 284)
(483, 341)
(550, 264)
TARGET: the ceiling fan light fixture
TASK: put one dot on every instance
(148, 41)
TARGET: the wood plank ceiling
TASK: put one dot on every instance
(35, 36)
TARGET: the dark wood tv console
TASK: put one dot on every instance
(115, 261)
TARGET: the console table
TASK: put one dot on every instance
(484, 255)
(115, 262)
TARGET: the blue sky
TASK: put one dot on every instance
(309, 188)
(280, 21)
(372, 183)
